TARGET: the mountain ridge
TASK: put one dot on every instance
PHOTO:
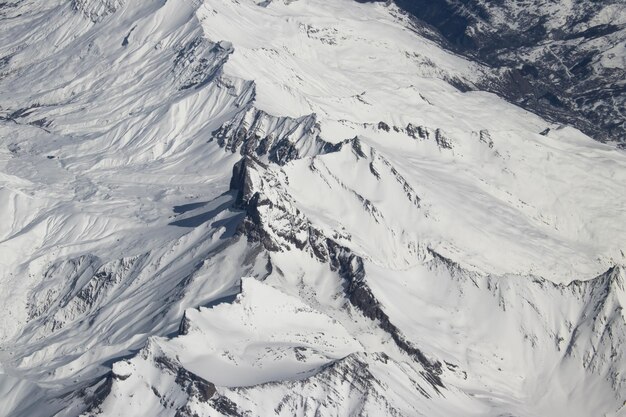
(395, 212)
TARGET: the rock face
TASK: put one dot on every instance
(564, 61)
(296, 208)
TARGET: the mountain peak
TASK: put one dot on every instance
(413, 240)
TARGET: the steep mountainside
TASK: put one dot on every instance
(293, 208)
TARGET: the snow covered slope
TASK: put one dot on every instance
(410, 247)
(565, 60)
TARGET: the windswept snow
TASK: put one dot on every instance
(411, 248)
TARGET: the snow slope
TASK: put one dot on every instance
(413, 248)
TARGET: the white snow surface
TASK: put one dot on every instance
(354, 71)
(491, 253)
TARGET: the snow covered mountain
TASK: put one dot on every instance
(240, 208)
(563, 60)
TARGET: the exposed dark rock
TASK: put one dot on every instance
(226, 407)
(125, 41)
(350, 267)
(98, 393)
(199, 62)
(357, 148)
(183, 327)
(195, 386)
(280, 139)
(165, 363)
(442, 140)
(97, 10)
(185, 411)
(485, 137)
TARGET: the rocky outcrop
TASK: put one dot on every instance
(200, 62)
(273, 220)
(96, 10)
(275, 139)
(88, 283)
